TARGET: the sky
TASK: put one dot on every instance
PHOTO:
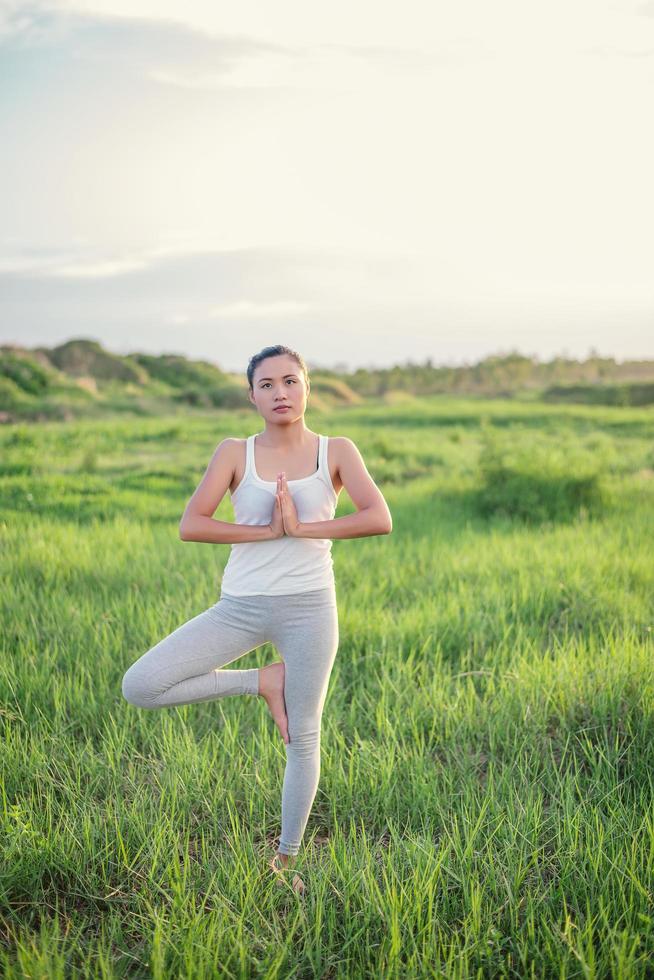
(369, 183)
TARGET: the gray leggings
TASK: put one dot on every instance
(184, 668)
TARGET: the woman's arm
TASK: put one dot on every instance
(197, 524)
(372, 516)
(199, 527)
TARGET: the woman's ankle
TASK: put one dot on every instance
(288, 860)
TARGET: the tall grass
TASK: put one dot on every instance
(485, 802)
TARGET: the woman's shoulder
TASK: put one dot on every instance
(232, 441)
(230, 447)
(341, 449)
(338, 441)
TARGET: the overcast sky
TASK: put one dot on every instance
(368, 182)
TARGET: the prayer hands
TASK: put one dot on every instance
(285, 502)
(277, 521)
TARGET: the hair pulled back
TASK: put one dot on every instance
(275, 351)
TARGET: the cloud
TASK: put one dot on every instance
(409, 59)
(249, 309)
(326, 67)
(611, 50)
(98, 270)
(27, 22)
(169, 53)
(193, 280)
(68, 263)
(161, 50)
(230, 303)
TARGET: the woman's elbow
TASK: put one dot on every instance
(386, 523)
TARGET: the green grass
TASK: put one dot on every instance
(486, 798)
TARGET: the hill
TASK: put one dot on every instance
(81, 378)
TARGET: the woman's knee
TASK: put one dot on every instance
(304, 739)
(135, 689)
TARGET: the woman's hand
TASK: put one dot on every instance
(277, 521)
(289, 513)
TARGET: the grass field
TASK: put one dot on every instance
(486, 797)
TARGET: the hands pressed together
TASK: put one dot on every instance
(284, 516)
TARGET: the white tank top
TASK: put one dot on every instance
(286, 565)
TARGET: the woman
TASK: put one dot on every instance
(278, 584)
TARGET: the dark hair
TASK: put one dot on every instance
(274, 351)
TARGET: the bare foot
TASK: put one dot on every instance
(282, 863)
(271, 689)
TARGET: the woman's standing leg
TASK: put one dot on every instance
(182, 668)
(304, 629)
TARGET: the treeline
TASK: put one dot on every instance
(601, 379)
(81, 377)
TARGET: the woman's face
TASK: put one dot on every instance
(278, 381)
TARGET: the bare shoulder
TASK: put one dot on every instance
(353, 475)
(344, 458)
(217, 479)
(230, 454)
(343, 448)
(226, 456)
(229, 447)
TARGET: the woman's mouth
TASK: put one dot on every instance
(282, 408)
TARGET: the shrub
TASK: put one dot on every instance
(11, 395)
(622, 394)
(88, 358)
(180, 372)
(539, 482)
(25, 373)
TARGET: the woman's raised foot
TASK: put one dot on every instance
(271, 689)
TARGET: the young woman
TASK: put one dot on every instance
(278, 584)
